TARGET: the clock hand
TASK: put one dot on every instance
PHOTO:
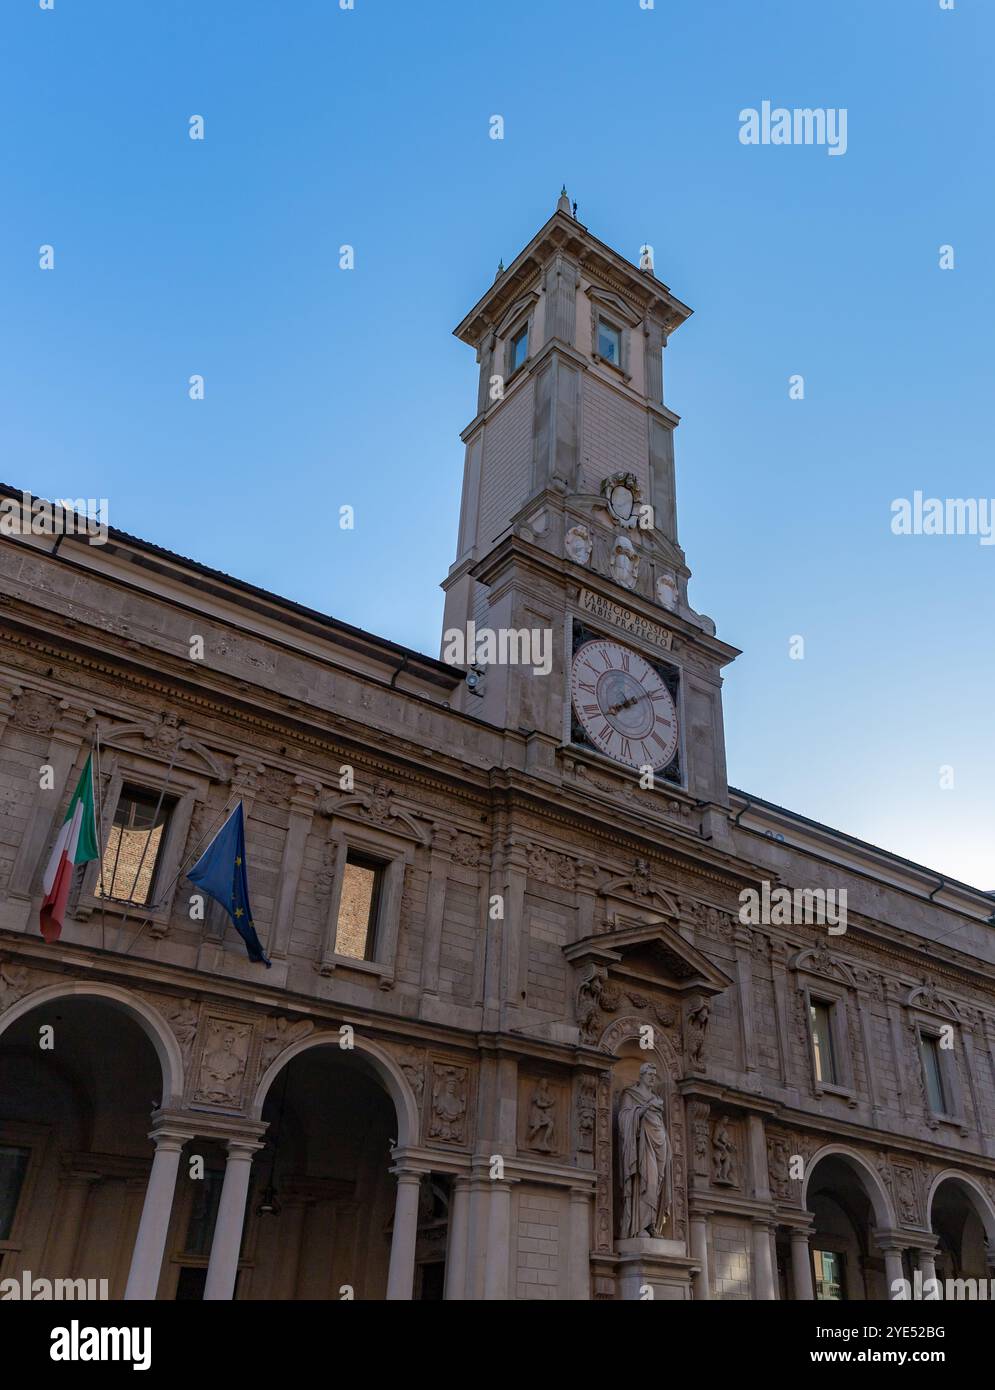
(632, 700)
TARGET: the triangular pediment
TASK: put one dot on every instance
(653, 953)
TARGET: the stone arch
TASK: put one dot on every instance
(394, 1082)
(877, 1193)
(148, 1018)
(974, 1193)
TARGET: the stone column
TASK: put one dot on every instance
(71, 1200)
(153, 1228)
(891, 1246)
(763, 1264)
(459, 1230)
(927, 1268)
(222, 1268)
(401, 1276)
(476, 1258)
(698, 1241)
(801, 1265)
(579, 1276)
(498, 1241)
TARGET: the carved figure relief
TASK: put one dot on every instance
(36, 711)
(577, 544)
(413, 1065)
(723, 1156)
(587, 1103)
(779, 1167)
(279, 1034)
(666, 590)
(222, 1067)
(449, 1096)
(624, 564)
(13, 983)
(550, 867)
(542, 1118)
(697, 1026)
(698, 1112)
(184, 1016)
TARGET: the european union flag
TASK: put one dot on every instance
(220, 872)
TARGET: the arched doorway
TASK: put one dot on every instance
(322, 1204)
(79, 1079)
(847, 1203)
(962, 1220)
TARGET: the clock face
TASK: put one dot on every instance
(623, 705)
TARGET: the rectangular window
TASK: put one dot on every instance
(828, 1275)
(932, 1065)
(356, 929)
(518, 349)
(609, 343)
(822, 1042)
(13, 1166)
(134, 847)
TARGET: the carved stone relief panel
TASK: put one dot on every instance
(448, 1100)
(586, 1113)
(279, 1033)
(541, 1114)
(225, 1061)
(726, 1151)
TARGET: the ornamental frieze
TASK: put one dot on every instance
(549, 866)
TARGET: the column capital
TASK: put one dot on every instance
(168, 1135)
(239, 1146)
(196, 1125)
(896, 1241)
(408, 1174)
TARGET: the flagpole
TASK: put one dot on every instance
(224, 814)
(97, 782)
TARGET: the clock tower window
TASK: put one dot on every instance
(609, 343)
(518, 349)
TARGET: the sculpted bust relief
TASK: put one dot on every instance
(644, 1158)
(624, 563)
(577, 543)
(666, 589)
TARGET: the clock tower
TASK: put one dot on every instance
(567, 603)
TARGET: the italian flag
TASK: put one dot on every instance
(77, 843)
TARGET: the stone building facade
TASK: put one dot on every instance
(488, 903)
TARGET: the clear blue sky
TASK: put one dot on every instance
(371, 127)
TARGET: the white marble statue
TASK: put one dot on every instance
(644, 1157)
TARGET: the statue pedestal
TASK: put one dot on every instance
(650, 1263)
